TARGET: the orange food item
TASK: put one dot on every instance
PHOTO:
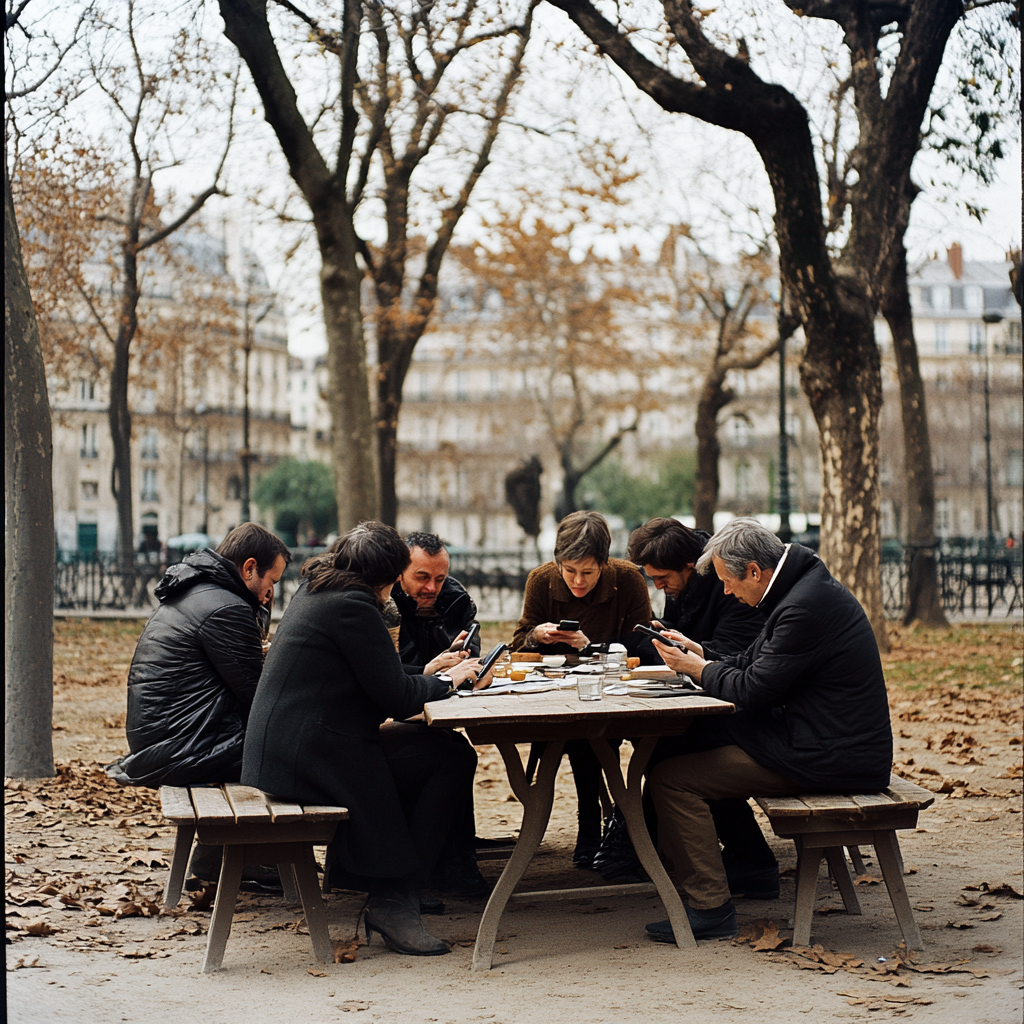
(632, 663)
(517, 675)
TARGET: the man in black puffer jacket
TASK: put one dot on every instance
(197, 663)
(812, 711)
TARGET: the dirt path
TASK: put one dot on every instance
(86, 863)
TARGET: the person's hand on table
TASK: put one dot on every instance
(457, 642)
(444, 661)
(468, 668)
(549, 633)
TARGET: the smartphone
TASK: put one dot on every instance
(464, 646)
(569, 625)
(648, 631)
(486, 665)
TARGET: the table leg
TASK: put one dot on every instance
(536, 800)
(224, 906)
(628, 796)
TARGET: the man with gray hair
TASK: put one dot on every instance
(812, 711)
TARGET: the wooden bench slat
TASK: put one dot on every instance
(908, 792)
(281, 811)
(211, 805)
(782, 805)
(873, 800)
(175, 804)
(318, 813)
(830, 803)
(247, 802)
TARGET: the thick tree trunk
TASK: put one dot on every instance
(841, 375)
(394, 355)
(352, 434)
(29, 537)
(924, 602)
(713, 398)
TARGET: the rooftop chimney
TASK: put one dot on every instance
(955, 259)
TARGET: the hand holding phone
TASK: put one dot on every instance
(569, 626)
(655, 635)
(464, 643)
(486, 665)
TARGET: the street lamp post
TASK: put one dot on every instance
(990, 319)
(245, 455)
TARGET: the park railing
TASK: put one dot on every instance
(973, 580)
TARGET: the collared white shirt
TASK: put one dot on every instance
(775, 575)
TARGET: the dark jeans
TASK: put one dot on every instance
(433, 771)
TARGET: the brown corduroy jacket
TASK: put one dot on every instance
(608, 613)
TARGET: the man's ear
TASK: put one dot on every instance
(248, 568)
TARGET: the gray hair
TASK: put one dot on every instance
(740, 542)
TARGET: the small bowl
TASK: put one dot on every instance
(554, 660)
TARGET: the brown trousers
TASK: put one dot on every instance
(681, 787)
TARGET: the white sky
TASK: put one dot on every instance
(689, 171)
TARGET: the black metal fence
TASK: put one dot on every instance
(974, 581)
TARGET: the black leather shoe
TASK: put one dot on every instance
(616, 860)
(431, 905)
(460, 877)
(751, 881)
(719, 923)
(395, 916)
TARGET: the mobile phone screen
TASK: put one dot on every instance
(569, 625)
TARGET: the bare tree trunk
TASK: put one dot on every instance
(352, 435)
(924, 602)
(29, 535)
(841, 375)
(713, 398)
(118, 413)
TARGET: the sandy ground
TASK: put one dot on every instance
(85, 868)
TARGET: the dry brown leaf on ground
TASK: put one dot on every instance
(770, 939)
(203, 899)
(25, 962)
(996, 889)
(990, 917)
(867, 880)
(984, 947)
(346, 950)
(353, 1006)
(40, 927)
(143, 954)
(831, 908)
(316, 974)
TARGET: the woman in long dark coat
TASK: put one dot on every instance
(331, 679)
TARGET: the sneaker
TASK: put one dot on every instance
(719, 923)
(585, 851)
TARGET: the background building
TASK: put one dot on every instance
(187, 410)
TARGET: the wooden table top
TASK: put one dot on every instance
(561, 714)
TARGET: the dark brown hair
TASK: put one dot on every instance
(368, 557)
(666, 544)
(583, 535)
(250, 540)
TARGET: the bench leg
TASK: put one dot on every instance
(808, 863)
(887, 849)
(179, 862)
(312, 903)
(291, 894)
(224, 906)
(841, 874)
(858, 860)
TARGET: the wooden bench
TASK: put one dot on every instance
(821, 824)
(255, 828)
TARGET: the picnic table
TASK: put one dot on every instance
(554, 718)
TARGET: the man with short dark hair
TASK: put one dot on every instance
(812, 712)
(197, 663)
(435, 608)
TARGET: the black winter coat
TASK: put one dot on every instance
(423, 637)
(809, 691)
(193, 677)
(708, 615)
(331, 678)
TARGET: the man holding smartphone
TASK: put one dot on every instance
(437, 612)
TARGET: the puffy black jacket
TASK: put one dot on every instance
(810, 694)
(193, 677)
(423, 637)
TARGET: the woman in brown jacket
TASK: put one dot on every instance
(608, 597)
